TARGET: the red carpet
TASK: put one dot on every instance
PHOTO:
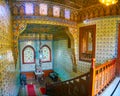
(43, 90)
(31, 90)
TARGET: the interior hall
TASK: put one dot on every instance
(59, 47)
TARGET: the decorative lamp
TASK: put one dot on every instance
(108, 2)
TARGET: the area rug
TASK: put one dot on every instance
(30, 90)
(43, 90)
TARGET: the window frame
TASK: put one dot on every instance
(67, 13)
(49, 54)
(23, 55)
(41, 8)
(32, 9)
(82, 30)
(56, 11)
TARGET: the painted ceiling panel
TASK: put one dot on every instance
(56, 31)
(79, 4)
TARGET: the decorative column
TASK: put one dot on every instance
(17, 29)
(22, 10)
(62, 13)
(36, 10)
(73, 34)
(50, 11)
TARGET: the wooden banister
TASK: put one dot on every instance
(101, 76)
(77, 86)
(89, 84)
(92, 77)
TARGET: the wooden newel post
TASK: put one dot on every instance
(92, 77)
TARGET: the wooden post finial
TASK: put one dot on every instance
(93, 63)
(92, 78)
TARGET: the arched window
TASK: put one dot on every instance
(43, 9)
(67, 13)
(28, 55)
(56, 11)
(29, 9)
(46, 54)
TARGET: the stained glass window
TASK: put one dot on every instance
(56, 11)
(67, 13)
(43, 9)
(29, 8)
(46, 54)
(28, 55)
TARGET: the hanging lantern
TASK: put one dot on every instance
(108, 2)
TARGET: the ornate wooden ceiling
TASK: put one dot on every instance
(58, 32)
(79, 4)
(86, 9)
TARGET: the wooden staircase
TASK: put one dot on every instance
(89, 84)
(71, 87)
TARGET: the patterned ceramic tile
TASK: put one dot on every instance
(8, 86)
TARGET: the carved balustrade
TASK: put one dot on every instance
(89, 84)
(102, 75)
(78, 86)
(18, 9)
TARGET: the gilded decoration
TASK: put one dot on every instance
(17, 29)
(79, 10)
(99, 11)
(20, 25)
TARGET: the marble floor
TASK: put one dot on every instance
(113, 89)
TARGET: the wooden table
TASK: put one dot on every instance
(39, 75)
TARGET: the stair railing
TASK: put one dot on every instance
(101, 76)
(89, 84)
(74, 87)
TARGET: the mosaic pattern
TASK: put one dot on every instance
(35, 44)
(8, 75)
(106, 33)
(75, 33)
(28, 55)
(46, 54)
(99, 11)
(44, 8)
(63, 61)
(19, 26)
(17, 29)
(106, 40)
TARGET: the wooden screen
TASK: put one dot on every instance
(87, 42)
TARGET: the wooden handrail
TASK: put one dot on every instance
(101, 76)
(89, 84)
(105, 64)
(77, 86)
